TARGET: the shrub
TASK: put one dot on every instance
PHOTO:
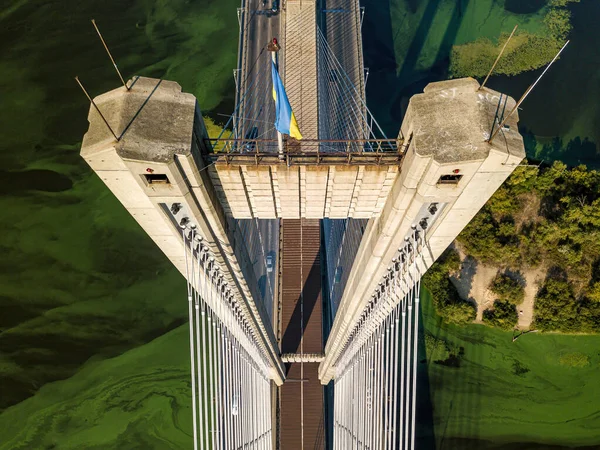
(555, 307)
(558, 22)
(525, 52)
(436, 349)
(508, 289)
(504, 315)
(459, 313)
(448, 303)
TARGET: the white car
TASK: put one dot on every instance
(269, 264)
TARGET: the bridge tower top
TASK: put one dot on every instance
(451, 121)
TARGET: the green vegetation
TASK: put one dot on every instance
(438, 350)
(213, 130)
(526, 51)
(547, 218)
(503, 315)
(80, 281)
(557, 309)
(508, 289)
(140, 399)
(533, 393)
(577, 360)
(447, 301)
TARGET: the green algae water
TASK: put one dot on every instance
(500, 394)
(93, 338)
(561, 119)
(92, 316)
(408, 43)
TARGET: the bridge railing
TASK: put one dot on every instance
(307, 151)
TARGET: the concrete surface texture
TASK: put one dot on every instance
(154, 120)
(162, 129)
(451, 121)
(300, 64)
(311, 191)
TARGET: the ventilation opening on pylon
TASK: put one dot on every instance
(156, 178)
(450, 179)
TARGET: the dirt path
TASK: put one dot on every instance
(533, 280)
(472, 284)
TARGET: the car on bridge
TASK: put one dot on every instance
(250, 136)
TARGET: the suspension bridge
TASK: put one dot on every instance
(303, 257)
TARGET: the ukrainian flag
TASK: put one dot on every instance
(285, 121)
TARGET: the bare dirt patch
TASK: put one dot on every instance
(533, 281)
(474, 279)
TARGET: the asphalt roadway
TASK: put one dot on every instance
(257, 114)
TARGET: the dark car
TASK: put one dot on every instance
(275, 6)
(251, 134)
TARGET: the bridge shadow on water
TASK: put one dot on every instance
(448, 401)
(425, 426)
(392, 81)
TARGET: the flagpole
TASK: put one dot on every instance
(279, 135)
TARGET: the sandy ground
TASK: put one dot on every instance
(474, 280)
(472, 284)
(533, 280)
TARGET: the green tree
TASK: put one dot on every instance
(555, 307)
(437, 349)
(503, 315)
(593, 293)
(458, 313)
(508, 289)
(448, 303)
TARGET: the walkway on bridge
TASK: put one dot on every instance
(301, 396)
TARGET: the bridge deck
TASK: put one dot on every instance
(301, 402)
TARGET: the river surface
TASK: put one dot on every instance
(93, 346)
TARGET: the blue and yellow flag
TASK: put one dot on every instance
(285, 121)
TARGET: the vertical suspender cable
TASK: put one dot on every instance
(401, 436)
(191, 324)
(388, 369)
(206, 386)
(212, 363)
(197, 283)
(201, 321)
(416, 340)
(408, 352)
(381, 402)
(395, 329)
(408, 371)
(218, 364)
